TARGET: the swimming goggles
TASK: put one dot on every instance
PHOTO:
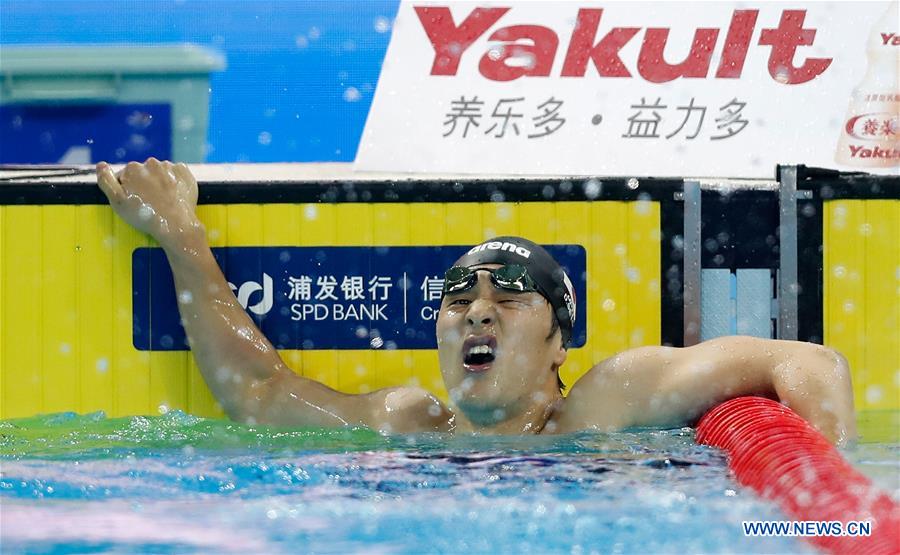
(512, 277)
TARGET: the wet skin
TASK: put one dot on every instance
(513, 393)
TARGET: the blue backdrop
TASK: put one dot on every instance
(300, 75)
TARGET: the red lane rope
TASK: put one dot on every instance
(783, 458)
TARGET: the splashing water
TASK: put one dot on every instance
(177, 482)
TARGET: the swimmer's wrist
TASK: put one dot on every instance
(185, 238)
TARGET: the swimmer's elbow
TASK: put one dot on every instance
(259, 401)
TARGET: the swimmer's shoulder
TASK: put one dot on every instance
(408, 410)
(586, 407)
(606, 396)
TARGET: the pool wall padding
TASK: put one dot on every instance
(861, 298)
(66, 287)
(66, 302)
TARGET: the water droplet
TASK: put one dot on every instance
(782, 75)
(644, 205)
(351, 94)
(145, 212)
(382, 24)
(633, 275)
(592, 189)
(185, 123)
(874, 394)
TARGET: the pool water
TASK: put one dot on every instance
(87, 483)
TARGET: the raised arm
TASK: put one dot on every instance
(240, 366)
(664, 386)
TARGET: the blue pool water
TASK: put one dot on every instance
(72, 483)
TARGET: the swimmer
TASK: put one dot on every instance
(502, 331)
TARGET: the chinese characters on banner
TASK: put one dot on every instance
(506, 117)
(510, 117)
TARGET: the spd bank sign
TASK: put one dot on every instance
(324, 297)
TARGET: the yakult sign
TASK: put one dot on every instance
(541, 43)
(684, 89)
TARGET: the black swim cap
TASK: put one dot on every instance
(548, 275)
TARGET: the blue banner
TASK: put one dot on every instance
(84, 134)
(325, 297)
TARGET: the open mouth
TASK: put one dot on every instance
(479, 353)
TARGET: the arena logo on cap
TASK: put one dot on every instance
(498, 246)
(569, 297)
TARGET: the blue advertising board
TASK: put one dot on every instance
(324, 297)
(84, 134)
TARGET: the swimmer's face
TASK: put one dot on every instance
(494, 349)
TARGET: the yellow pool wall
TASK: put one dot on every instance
(65, 304)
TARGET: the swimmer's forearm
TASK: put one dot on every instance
(232, 354)
(665, 386)
(811, 379)
(815, 382)
(240, 366)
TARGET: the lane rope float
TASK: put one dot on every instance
(784, 459)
